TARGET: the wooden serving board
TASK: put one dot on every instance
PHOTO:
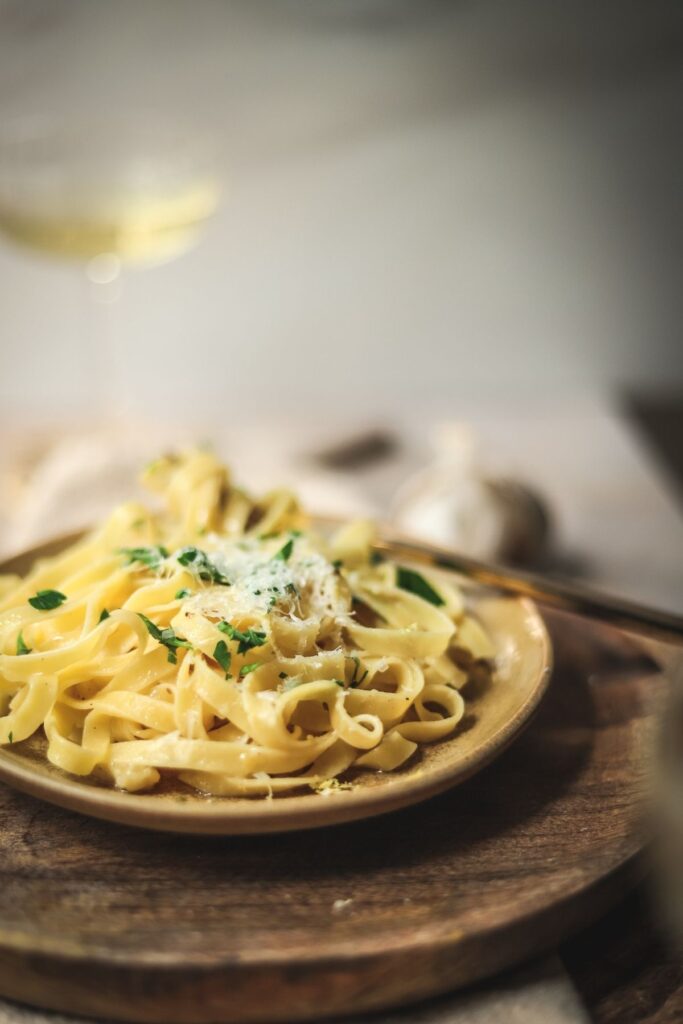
(108, 921)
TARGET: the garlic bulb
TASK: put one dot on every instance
(453, 504)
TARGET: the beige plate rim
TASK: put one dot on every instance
(242, 815)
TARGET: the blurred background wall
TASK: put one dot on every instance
(424, 203)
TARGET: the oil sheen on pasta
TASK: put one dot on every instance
(222, 643)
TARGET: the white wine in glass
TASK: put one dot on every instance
(138, 229)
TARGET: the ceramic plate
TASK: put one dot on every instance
(496, 712)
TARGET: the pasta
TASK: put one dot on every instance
(220, 642)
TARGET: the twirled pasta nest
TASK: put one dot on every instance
(222, 642)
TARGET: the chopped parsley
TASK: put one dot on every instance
(355, 679)
(166, 637)
(376, 558)
(246, 640)
(104, 614)
(10, 736)
(21, 646)
(283, 555)
(223, 656)
(182, 593)
(413, 582)
(46, 600)
(152, 627)
(246, 669)
(151, 557)
(337, 564)
(199, 563)
(188, 555)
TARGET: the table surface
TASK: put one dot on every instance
(619, 468)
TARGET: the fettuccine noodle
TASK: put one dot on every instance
(224, 644)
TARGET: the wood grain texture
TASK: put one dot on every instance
(108, 921)
(626, 967)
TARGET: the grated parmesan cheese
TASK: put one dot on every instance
(304, 586)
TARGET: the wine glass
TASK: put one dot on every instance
(106, 194)
(139, 189)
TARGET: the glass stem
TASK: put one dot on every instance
(103, 286)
